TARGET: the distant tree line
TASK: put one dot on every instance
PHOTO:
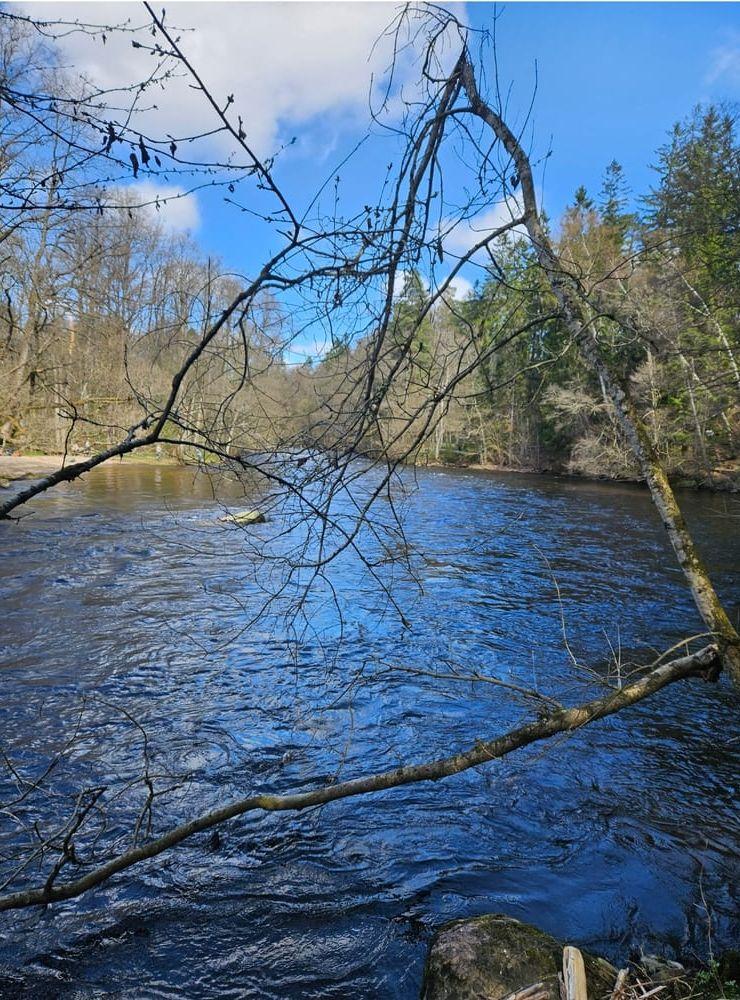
(94, 316)
(534, 403)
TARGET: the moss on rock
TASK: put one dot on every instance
(245, 517)
(494, 955)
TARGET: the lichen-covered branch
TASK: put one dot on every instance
(705, 664)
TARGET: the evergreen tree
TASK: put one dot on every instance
(613, 201)
(581, 200)
(697, 200)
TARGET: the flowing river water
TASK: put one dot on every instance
(125, 590)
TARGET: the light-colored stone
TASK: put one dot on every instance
(244, 517)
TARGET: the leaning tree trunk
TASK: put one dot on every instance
(579, 323)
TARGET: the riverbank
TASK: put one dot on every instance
(17, 468)
(724, 478)
(501, 958)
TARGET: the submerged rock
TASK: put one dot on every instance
(671, 977)
(244, 517)
(494, 955)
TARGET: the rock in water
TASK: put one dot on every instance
(669, 977)
(245, 517)
(494, 955)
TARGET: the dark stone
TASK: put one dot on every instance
(729, 968)
(670, 976)
(494, 955)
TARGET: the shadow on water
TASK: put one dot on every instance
(125, 588)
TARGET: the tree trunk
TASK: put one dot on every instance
(576, 315)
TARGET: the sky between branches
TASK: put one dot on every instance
(612, 79)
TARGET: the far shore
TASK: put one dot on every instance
(723, 479)
(14, 468)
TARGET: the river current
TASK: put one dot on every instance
(125, 603)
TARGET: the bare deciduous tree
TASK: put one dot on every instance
(399, 371)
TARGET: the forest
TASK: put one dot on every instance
(93, 317)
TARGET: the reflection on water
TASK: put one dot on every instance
(125, 588)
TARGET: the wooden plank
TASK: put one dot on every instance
(574, 974)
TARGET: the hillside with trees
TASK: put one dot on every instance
(93, 318)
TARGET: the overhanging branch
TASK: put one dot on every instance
(705, 663)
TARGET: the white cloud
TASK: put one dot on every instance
(304, 349)
(725, 62)
(464, 236)
(399, 282)
(285, 63)
(178, 210)
(461, 287)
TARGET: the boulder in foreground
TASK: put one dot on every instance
(494, 955)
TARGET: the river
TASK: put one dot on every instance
(125, 589)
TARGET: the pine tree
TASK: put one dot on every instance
(582, 201)
(697, 200)
(613, 201)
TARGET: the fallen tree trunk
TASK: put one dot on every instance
(705, 663)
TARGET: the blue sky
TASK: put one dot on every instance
(612, 79)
